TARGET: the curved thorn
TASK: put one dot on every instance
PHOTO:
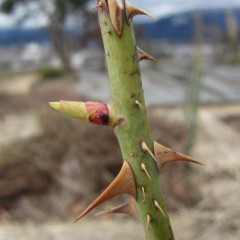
(143, 55)
(139, 104)
(123, 183)
(156, 204)
(143, 167)
(131, 11)
(165, 155)
(145, 148)
(99, 4)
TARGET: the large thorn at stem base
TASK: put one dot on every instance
(123, 183)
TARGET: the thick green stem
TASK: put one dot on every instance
(127, 110)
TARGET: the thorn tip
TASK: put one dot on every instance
(123, 183)
(139, 104)
(143, 167)
(165, 155)
(131, 11)
(143, 55)
(156, 204)
(145, 148)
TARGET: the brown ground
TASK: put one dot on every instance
(52, 171)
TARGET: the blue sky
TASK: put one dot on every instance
(158, 8)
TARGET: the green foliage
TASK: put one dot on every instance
(8, 6)
(51, 73)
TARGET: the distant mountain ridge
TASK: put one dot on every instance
(181, 27)
(21, 36)
(174, 28)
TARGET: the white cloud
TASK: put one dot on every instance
(6, 21)
(30, 12)
(158, 8)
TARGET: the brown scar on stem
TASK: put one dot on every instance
(105, 22)
(135, 56)
(109, 32)
(133, 95)
(143, 167)
(156, 204)
(136, 72)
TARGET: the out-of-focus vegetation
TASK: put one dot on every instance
(49, 73)
(57, 13)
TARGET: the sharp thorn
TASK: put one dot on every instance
(131, 11)
(98, 5)
(123, 183)
(156, 204)
(143, 55)
(148, 221)
(115, 14)
(139, 104)
(144, 194)
(143, 167)
(145, 148)
(165, 155)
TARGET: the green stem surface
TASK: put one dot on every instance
(126, 91)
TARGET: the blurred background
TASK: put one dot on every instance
(52, 167)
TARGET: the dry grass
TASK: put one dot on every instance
(55, 173)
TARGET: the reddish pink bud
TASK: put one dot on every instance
(98, 113)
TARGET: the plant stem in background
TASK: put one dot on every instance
(194, 86)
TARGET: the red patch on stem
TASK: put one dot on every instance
(98, 113)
